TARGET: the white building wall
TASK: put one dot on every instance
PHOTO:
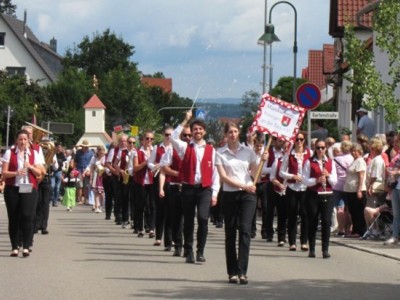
(96, 123)
(14, 54)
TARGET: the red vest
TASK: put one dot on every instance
(13, 165)
(188, 170)
(159, 153)
(123, 164)
(293, 167)
(116, 150)
(141, 175)
(316, 172)
(176, 165)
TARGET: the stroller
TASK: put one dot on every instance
(383, 223)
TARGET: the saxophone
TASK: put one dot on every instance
(125, 174)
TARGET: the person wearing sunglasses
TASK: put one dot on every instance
(154, 164)
(143, 186)
(295, 197)
(200, 185)
(319, 175)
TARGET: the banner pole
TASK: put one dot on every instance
(261, 164)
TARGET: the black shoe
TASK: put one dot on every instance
(269, 239)
(55, 205)
(118, 222)
(108, 218)
(35, 231)
(200, 257)
(135, 231)
(325, 254)
(45, 231)
(243, 279)
(185, 253)
(177, 252)
(219, 225)
(253, 235)
(167, 249)
(311, 254)
(140, 234)
(190, 258)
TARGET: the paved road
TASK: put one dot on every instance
(87, 257)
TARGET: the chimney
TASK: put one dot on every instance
(25, 18)
(53, 44)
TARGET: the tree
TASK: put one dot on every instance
(101, 54)
(7, 8)
(365, 78)
(284, 88)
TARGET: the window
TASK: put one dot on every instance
(2, 39)
(16, 71)
(93, 113)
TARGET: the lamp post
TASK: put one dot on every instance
(9, 113)
(269, 37)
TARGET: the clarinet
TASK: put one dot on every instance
(324, 183)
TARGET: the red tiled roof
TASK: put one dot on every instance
(347, 10)
(315, 67)
(164, 83)
(94, 102)
(328, 59)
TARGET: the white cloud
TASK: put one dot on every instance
(209, 41)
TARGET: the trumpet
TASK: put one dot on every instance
(125, 177)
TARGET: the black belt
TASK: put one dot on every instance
(192, 185)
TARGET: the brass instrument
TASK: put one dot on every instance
(125, 177)
(38, 134)
(100, 170)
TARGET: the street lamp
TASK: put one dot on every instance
(269, 37)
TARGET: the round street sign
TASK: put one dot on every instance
(308, 95)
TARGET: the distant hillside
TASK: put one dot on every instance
(217, 110)
(220, 100)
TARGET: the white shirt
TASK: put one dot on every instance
(134, 154)
(21, 161)
(311, 181)
(236, 165)
(284, 172)
(180, 147)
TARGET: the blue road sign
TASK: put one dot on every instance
(308, 95)
(200, 113)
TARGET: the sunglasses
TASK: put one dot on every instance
(186, 135)
(131, 142)
(149, 139)
(299, 140)
(167, 134)
(320, 148)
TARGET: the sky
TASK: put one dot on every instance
(208, 47)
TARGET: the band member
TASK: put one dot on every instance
(319, 175)
(200, 185)
(21, 167)
(171, 165)
(112, 156)
(143, 185)
(235, 163)
(154, 164)
(295, 196)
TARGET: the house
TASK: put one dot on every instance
(95, 119)
(22, 53)
(320, 66)
(164, 83)
(359, 13)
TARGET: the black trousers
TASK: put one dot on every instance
(174, 215)
(117, 198)
(109, 194)
(160, 207)
(295, 205)
(319, 205)
(144, 200)
(239, 210)
(21, 210)
(131, 198)
(275, 201)
(261, 193)
(42, 209)
(124, 201)
(356, 209)
(192, 198)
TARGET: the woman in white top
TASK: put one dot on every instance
(355, 191)
(21, 167)
(235, 164)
